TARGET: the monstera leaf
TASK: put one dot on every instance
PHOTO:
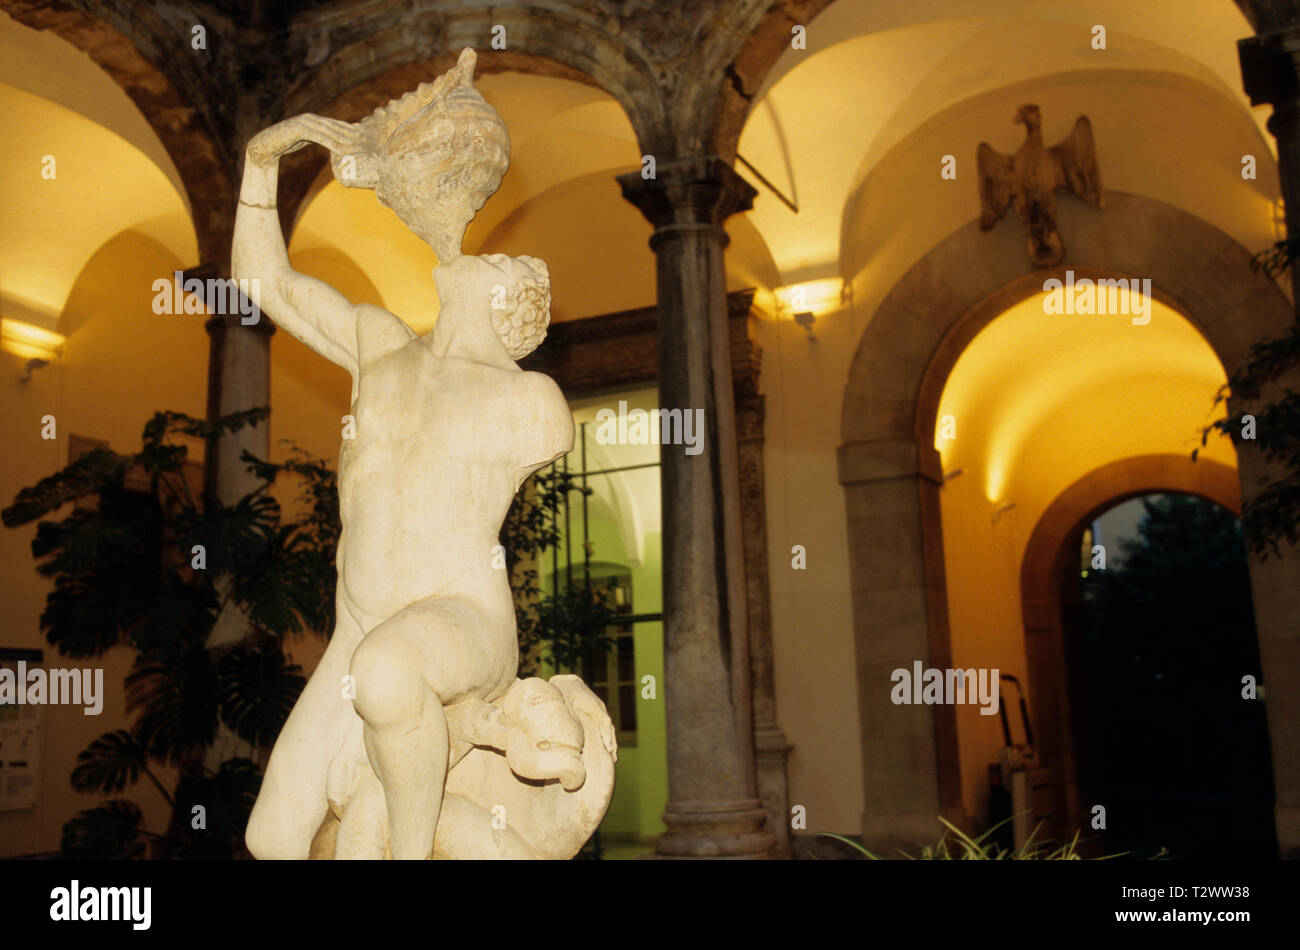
(87, 475)
(106, 566)
(110, 832)
(110, 763)
(233, 536)
(257, 688)
(215, 809)
(180, 618)
(278, 590)
(177, 696)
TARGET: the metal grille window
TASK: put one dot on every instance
(612, 674)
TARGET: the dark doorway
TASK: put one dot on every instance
(1158, 645)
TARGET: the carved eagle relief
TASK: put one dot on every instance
(1031, 179)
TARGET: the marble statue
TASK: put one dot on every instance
(414, 738)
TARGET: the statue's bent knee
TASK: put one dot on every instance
(389, 685)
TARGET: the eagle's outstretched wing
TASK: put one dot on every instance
(1075, 161)
(997, 183)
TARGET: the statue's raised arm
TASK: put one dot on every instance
(434, 156)
(307, 308)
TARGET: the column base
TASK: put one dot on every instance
(893, 836)
(771, 752)
(732, 830)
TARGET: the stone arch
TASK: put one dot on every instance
(1044, 563)
(176, 122)
(891, 472)
(561, 40)
(350, 86)
(741, 57)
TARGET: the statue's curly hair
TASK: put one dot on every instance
(525, 311)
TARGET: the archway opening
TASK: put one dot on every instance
(1162, 666)
(1037, 401)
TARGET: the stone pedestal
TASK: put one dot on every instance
(713, 809)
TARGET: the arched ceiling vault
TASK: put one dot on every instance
(681, 71)
(875, 75)
(685, 75)
(189, 153)
(86, 168)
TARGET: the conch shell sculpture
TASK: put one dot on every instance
(445, 127)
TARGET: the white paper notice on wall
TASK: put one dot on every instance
(20, 740)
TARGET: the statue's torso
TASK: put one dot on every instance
(441, 447)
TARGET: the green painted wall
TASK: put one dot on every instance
(641, 783)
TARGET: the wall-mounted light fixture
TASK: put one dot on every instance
(29, 340)
(816, 297)
(33, 365)
(1005, 508)
(806, 320)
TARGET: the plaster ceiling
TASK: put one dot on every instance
(875, 74)
(1038, 400)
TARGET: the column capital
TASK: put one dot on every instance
(688, 194)
(1270, 65)
(1270, 74)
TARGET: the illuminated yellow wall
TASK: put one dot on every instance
(812, 611)
(55, 220)
(113, 338)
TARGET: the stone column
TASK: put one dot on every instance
(1270, 68)
(713, 809)
(239, 378)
